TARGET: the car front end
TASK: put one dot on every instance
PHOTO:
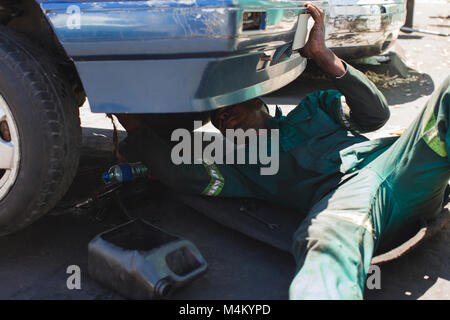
(363, 28)
(180, 56)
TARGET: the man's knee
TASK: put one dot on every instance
(331, 227)
(435, 130)
(445, 87)
(313, 234)
(330, 250)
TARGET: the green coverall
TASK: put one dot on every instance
(354, 190)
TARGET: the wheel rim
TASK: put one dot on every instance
(9, 149)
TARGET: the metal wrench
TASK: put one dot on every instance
(271, 226)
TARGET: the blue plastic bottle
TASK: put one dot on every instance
(125, 172)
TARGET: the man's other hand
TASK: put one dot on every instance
(130, 122)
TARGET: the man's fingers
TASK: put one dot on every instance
(316, 13)
(312, 10)
(129, 121)
(321, 14)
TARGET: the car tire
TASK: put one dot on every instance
(42, 138)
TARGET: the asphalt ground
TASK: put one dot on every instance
(34, 261)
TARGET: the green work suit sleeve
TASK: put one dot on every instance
(357, 104)
(145, 146)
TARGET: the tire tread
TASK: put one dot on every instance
(59, 118)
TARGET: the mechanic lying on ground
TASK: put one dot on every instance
(355, 190)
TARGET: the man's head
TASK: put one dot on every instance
(252, 114)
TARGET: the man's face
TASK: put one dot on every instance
(250, 114)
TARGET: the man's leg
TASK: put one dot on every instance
(334, 246)
(417, 165)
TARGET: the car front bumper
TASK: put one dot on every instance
(179, 56)
(364, 28)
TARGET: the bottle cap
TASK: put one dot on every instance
(106, 177)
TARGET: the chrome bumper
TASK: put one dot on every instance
(373, 24)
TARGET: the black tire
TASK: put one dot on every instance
(46, 116)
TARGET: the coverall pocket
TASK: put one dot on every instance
(322, 153)
(313, 122)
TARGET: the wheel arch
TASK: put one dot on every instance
(27, 17)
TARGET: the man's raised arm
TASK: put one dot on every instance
(364, 108)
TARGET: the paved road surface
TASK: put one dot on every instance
(33, 262)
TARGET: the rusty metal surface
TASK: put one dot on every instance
(357, 29)
(5, 134)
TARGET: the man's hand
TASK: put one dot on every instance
(315, 47)
(129, 121)
(316, 42)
